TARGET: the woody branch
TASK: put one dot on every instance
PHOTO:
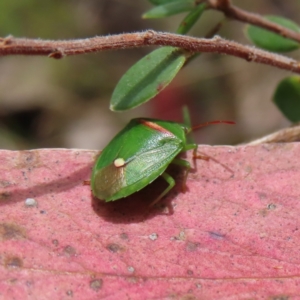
(59, 49)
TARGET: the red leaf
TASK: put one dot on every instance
(233, 234)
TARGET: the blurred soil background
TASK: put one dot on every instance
(65, 103)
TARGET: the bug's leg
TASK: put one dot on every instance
(185, 164)
(195, 149)
(86, 182)
(170, 180)
(199, 156)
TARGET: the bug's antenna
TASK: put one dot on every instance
(211, 122)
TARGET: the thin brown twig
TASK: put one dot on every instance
(285, 135)
(59, 49)
(236, 13)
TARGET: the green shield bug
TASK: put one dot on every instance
(139, 154)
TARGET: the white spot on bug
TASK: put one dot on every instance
(119, 162)
(30, 202)
(153, 236)
(130, 269)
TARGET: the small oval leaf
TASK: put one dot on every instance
(272, 41)
(170, 9)
(189, 21)
(147, 77)
(287, 97)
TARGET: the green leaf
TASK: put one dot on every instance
(287, 97)
(160, 2)
(272, 41)
(170, 9)
(147, 77)
(189, 21)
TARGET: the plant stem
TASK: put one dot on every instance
(59, 49)
(236, 13)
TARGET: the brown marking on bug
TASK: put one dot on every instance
(156, 127)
